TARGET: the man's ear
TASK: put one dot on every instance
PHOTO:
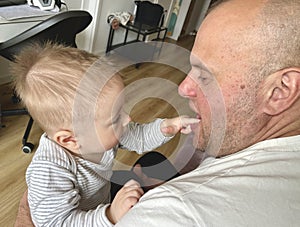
(283, 91)
(66, 139)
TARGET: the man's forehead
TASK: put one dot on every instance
(225, 29)
(233, 12)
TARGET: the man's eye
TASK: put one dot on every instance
(204, 78)
(200, 76)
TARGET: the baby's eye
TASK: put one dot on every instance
(116, 120)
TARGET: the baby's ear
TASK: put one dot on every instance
(282, 91)
(66, 139)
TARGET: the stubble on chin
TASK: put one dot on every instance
(199, 141)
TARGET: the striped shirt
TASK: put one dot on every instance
(66, 190)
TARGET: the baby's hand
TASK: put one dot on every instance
(170, 127)
(126, 198)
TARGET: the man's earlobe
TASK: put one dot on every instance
(66, 139)
(284, 91)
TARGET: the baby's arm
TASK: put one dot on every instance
(169, 127)
(126, 198)
(146, 137)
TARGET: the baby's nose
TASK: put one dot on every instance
(127, 119)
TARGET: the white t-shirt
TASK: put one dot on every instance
(259, 186)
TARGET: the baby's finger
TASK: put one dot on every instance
(189, 121)
(135, 192)
(186, 130)
(132, 183)
(132, 196)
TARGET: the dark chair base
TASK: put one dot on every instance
(27, 147)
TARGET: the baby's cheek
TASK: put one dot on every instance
(119, 131)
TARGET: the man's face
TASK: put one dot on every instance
(218, 85)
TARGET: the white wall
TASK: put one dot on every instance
(167, 4)
(102, 30)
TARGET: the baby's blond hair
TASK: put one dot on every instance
(46, 77)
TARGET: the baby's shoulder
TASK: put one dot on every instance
(53, 154)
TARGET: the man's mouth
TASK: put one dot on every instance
(194, 127)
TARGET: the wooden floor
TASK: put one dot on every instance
(13, 162)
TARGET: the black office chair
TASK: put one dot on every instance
(61, 28)
(149, 19)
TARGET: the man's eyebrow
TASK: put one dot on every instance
(201, 66)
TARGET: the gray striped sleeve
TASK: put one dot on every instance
(143, 137)
(54, 198)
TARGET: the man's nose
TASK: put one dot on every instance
(187, 88)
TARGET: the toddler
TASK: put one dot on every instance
(65, 186)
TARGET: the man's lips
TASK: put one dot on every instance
(193, 108)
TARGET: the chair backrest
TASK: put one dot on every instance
(61, 28)
(149, 13)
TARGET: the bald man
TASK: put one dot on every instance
(244, 85)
